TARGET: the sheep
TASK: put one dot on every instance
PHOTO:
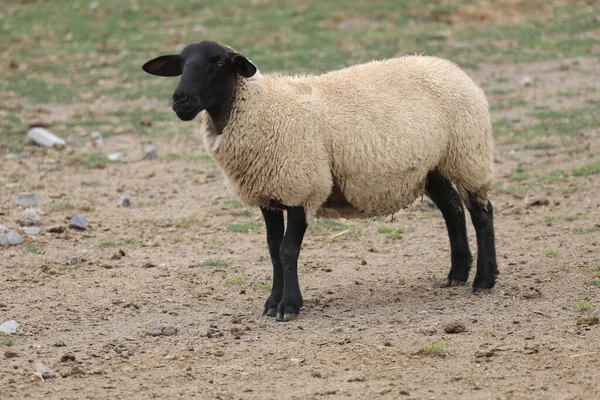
(360, 142)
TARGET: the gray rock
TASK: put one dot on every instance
(161, 331)
(44, 371)
(125, 201)
(44, 138)
(30, 230)
(9, 237)
(31, 216)
(28, 199)
(10, 327)
(78, 222)
(150, 153)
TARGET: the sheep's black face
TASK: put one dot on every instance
(208, 71)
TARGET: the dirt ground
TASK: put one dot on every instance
(373, 324)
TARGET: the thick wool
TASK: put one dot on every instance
(371, 132)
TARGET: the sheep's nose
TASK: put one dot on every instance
(182, 102)
(180, 98)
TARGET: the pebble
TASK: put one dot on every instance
(56, 229)
(97, 139)
(67, 357)
(9, 237)
(10, 327)
(526, 81)
(150, 153)
(28, 199)
(78, 222)
(30, 230)
(44, 371)
(45, 138)
(484, 353)
(161, 331)
(114, 156)
(31, 216)
(125, 201)
(454, 327)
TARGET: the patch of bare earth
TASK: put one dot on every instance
(374, 315)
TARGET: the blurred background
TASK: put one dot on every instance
(77, 52)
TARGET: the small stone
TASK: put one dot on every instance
(67, 357)
(9, 237)
(78, 222)
(150, 153)
(31, 216)
(454, 327)
(43, 371)
(30, 230)
(10, 327)
(57, 229)
(484, 353)
(10, 354)
(28, 199)
(118, 255)
(161, 331)
(45, 138)
(75, 260)
(526, 81)
(124, 201)
(60, 343)
(114, 157)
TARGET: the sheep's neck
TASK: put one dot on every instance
(220, 115)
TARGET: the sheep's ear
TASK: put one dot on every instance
(164, 65)
(243, 66)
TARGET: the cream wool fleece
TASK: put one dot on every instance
(371, 132)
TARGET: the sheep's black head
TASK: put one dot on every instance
(208, 73)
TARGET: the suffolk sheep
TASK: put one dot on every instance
(360, 142)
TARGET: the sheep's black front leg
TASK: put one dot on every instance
(487, 267)
(291, 300)
(274, 224)
(440, 190)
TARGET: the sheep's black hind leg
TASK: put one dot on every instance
(487, 267)
(291, 299)
(275, 228)
(440, 190)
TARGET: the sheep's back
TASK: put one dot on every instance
(389, 123)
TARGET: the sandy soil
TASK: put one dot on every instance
(90, 301)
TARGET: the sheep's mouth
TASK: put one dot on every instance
(189, 114)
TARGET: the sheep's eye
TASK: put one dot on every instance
(220, 63)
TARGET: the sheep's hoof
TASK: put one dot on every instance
(269, 312)
(454, 283)
(286, 317)
(481, 290)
